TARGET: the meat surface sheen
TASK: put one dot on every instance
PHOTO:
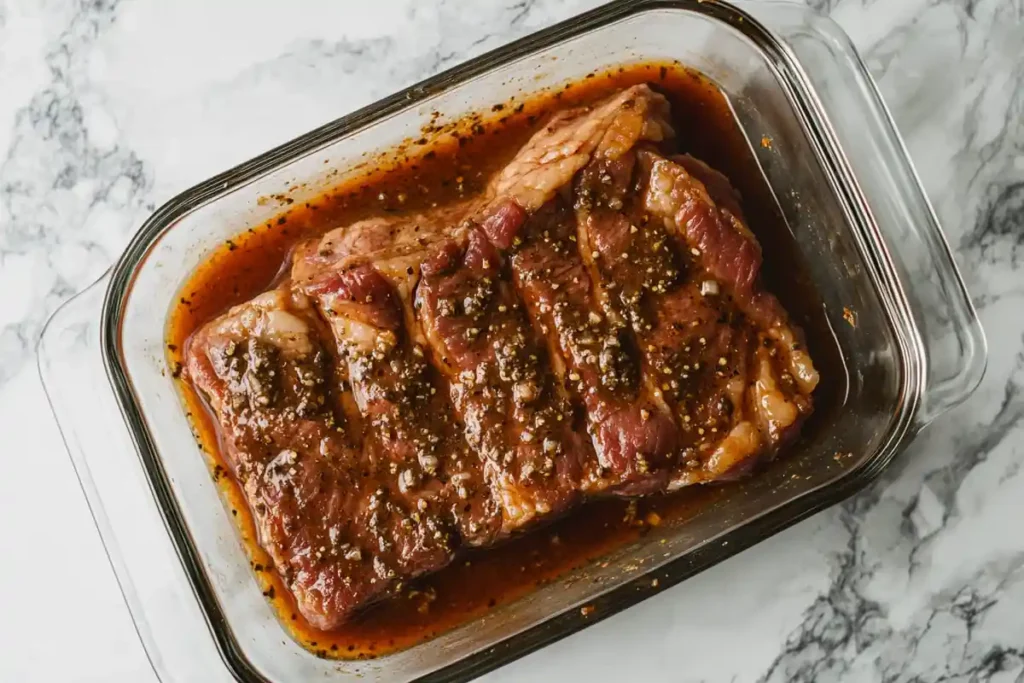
(592, 324)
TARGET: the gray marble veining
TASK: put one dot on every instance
(108, 108)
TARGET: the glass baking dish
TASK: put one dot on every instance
(910, 341)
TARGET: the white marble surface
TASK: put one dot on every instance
(108, 108)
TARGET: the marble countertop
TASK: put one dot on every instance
(108, 108)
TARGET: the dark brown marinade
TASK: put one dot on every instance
(446, 163)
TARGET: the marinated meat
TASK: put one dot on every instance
(592, 324)
(635, 441)
(408, 422)
(513, 413)
(341, 529)
(770, 393)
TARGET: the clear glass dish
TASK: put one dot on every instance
(912, 347)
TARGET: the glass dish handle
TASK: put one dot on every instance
(951, 335)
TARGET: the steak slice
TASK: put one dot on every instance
(693, 345)
(635, 441)
(332, 522)
(408, 419)
(513, 413)
(777, 375)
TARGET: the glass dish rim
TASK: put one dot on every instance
(800, 92)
